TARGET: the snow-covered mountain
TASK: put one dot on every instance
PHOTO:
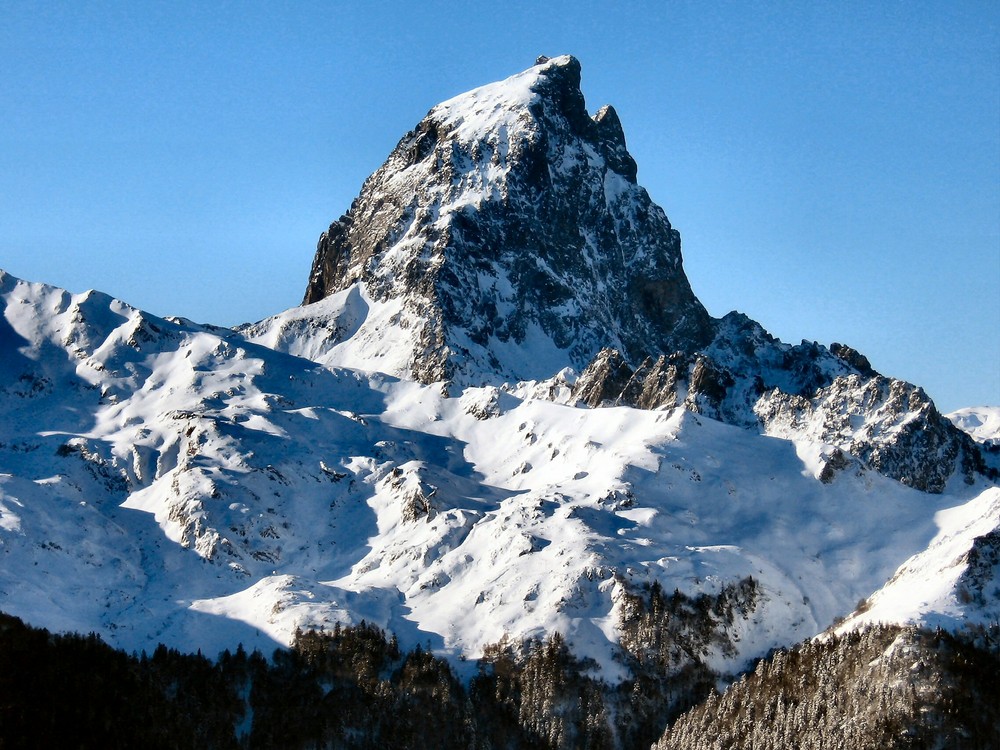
(506, 238)
(597, 433)
(167, 481)
(509, 229)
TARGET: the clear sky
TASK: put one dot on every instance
(833, 168)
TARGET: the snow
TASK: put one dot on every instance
(925, 589)
(495, 107)
(347, 329)
(981, 422)
(161, 481)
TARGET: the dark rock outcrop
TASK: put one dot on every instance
(604, 379)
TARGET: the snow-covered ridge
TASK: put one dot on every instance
(948, 584)
(161, 481)
(346, 329)
(496, 106)
(981, 422)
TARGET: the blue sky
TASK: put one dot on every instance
(833, 168)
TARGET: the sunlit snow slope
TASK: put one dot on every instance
(163, 481)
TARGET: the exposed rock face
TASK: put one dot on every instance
(654, 384)
(509, 218)
(604, 379)
(891, 425)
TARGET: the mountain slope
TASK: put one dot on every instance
(885, 687)
(166, 481)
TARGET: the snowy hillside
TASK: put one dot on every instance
(953, 583)
(162, 481)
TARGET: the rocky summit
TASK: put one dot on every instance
(509, 221)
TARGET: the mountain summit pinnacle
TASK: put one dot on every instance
(509, 228)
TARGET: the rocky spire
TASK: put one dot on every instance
(510, 224)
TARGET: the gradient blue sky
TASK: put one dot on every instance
(833, 168)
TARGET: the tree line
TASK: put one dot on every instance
(355, 688)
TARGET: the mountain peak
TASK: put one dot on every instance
(545, 95)
(508, 228)
(505, 239)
